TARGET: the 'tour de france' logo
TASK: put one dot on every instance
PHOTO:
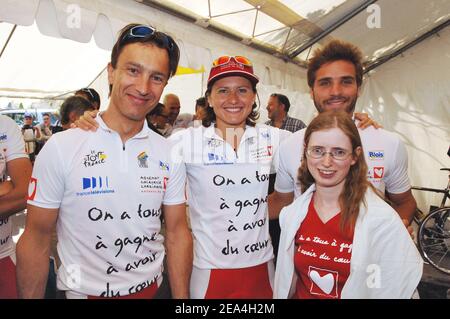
(94, 158)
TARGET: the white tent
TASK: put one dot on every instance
(52, 47)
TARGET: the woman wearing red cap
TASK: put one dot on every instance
(228, 161)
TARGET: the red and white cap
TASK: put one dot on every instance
(232, 66)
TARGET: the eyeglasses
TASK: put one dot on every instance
(144, 31)
(336, 153)
(225, 59)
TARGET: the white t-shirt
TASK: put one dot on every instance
(11, 147)
(227, 194)
(109, 196)
(384, 152)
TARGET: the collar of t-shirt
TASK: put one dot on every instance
(249, 132)
(144, 133)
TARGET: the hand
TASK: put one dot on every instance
(409, 228)
(86, 122)
(365, 121)
(6, 187)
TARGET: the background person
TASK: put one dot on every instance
(172, 107)
(277, 109)
(45, 129)
(91, 95)
(72, 108)
(31, 134)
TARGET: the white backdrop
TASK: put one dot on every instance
(410, 95)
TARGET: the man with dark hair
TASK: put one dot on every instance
(157, 120)
(72, 108)
(200, 108)
(45, 129)
(335, 79)
(108, 189)
(277, 109)
(91, 95)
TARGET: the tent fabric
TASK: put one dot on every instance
(99, 23)
(410, 95)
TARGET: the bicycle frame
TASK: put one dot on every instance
(433, 236)
(445, 191)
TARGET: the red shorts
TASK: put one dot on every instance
(8, 289)
(240, 283)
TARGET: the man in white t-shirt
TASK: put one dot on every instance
(335, 77)
(14, 162)
(107, 190)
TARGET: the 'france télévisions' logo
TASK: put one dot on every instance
(95, 186)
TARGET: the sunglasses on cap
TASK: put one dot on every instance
(88, 91)
(226, 59)
(144, 31)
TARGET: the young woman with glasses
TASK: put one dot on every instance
(339, 239)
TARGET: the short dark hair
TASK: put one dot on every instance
(158, 38)
(157, 110)
(45, 114)
(75, 104)
(283, 99)
(334, 51)
(200, 102)
(91, 94)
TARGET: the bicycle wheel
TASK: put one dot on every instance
(434, 239)
(419, 216)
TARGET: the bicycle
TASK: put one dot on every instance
(434, 230)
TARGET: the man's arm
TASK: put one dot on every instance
(276, 201)
(33, 250)
(14, 201)
(179, 250)
(404, 204)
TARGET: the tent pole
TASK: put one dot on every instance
(333, 27)
(7, 40)
(406, 47)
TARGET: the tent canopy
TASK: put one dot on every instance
(35, 35)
